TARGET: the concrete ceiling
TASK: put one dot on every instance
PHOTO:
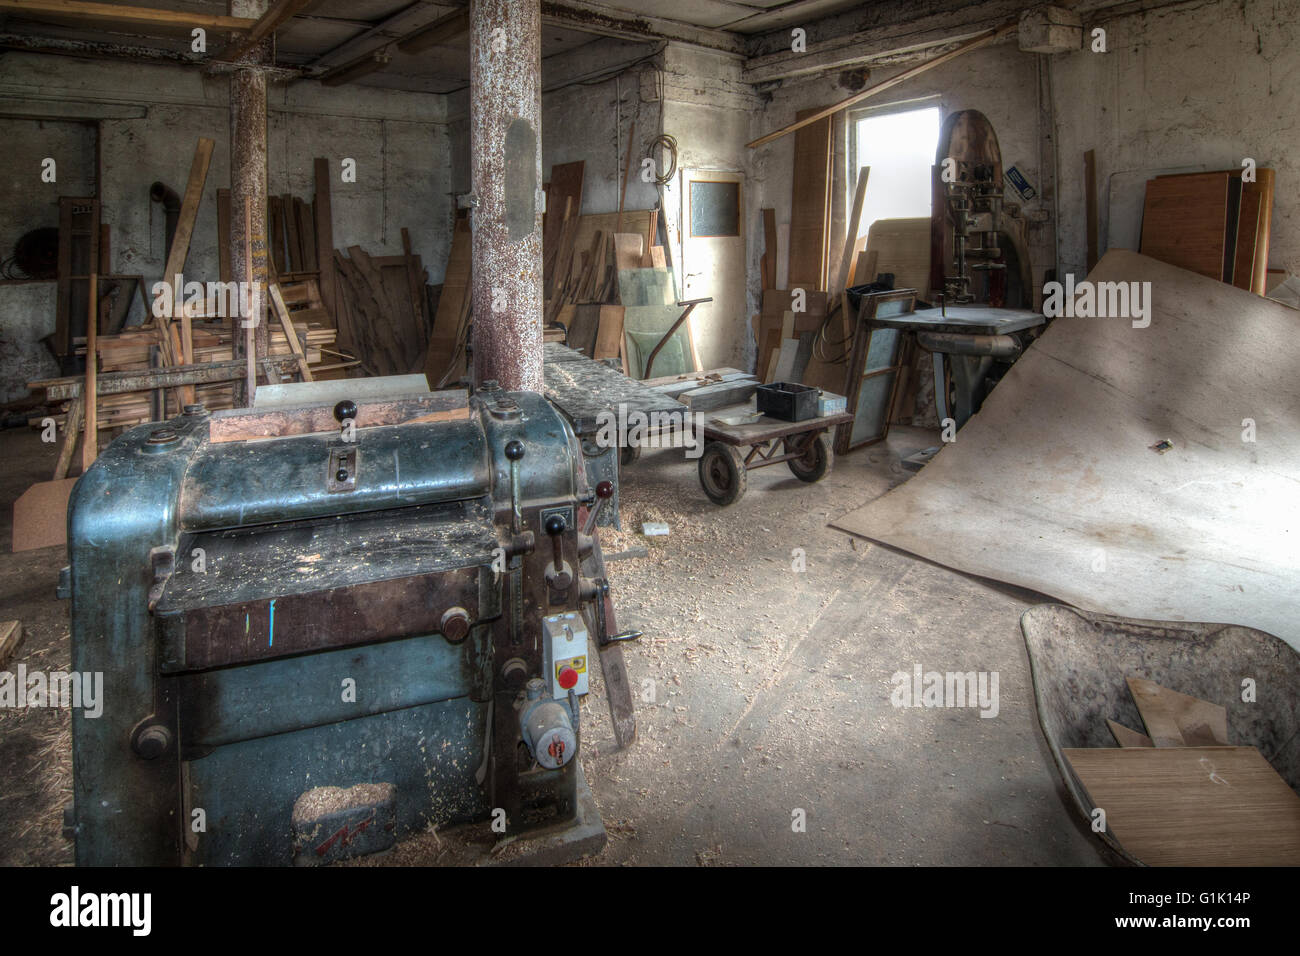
(349, 35)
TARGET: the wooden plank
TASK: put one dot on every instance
(810, 205)
(71, 429)
(566, 187)
(1193, 806)
(414, 282)
(306, 235)
(1184, 221)
(182, 20)
(41, 515)
(901, 246)
(628, 250)
(1264, 186)
(180, 247)
(844, 275)
(1243, 266)
(293, 254)
(1194, 722)
(1128, 738)
(276, 14)
(246, 424)
(609, 334)
(1090, 204)
(11, 635)
(223, 235)
(815, 116)
(584, 329)
(324, 223)
(290, 334)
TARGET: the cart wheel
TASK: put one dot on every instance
(722, 473)
(815, 463)
(629, 454)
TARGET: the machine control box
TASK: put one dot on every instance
(566, 654)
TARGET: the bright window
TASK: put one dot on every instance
(899, 147)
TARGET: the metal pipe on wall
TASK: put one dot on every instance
(505, 74)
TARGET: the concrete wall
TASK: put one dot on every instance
(28, 202)
(1191, 85)
(708, 109)
(149, 119)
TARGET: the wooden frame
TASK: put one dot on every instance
(868, 309)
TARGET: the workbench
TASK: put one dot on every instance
(964, 341)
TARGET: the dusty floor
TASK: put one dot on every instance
(765, 690)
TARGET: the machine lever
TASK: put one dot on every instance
(514, 452)
(604, 492)
(625, 636)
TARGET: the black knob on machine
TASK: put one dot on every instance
(555, 525)
(514, 449)
(344, 410)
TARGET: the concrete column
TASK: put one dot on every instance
(248, 184)
(505, 71)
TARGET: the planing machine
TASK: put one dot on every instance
(327, 624)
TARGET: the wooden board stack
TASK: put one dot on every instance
(382, 308)
(1216, 224)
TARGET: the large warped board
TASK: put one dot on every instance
(566, 185)
(810, 204)
(1193, 806)
(1054, 486)
(1184, 221)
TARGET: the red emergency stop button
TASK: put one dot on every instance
(568, 677)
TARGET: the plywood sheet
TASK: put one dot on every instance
(810, 204)
(1053, 484)
(1184, 221)
(901, 246)
(41, 515)
(1184, 720)
(1193, 806)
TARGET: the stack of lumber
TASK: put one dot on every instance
(1181, 794)
(1215, 224)
(129, 351)
(588, 262)
(382, 309)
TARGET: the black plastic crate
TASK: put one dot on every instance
(788, 401)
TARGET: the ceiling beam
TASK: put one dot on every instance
(606, 21)
(279, 13)
(439, 31)
(371, 38)
(115, 13)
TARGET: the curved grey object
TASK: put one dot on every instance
(1079, 662)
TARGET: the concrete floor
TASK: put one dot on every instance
(765, 690)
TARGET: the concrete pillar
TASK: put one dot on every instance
(505, 71)
(248, 184)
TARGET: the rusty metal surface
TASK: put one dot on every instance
(505, 111)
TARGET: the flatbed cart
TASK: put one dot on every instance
(804, 446)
